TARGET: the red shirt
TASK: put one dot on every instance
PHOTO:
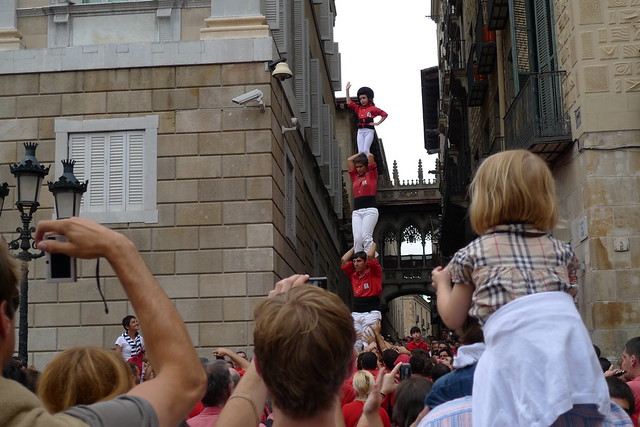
(366, 114)
(369, 284)
(367, 184)
(634, 385)
(412, 345)
(351, 413)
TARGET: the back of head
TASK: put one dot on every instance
(618, 389)
(218, 380)
(81, 376)
(439, 370)
(304, 349)
(389, 357)
(514, 186)
(9, 277)
(368, 360)
(470, 332)
(420, 364)
(362, 383)
(604, 363)
(409, 400)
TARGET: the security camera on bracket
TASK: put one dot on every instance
(254, 95)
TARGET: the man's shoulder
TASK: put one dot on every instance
(123, 410)
(21, 408)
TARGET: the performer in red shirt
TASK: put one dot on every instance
(366, 281)
(416, 342)
(364, 175)
(366, 112)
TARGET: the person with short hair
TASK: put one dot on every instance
(164, 400)
(630, 372)
(303, 339)
(417, 341)
(365, 274)
(219, 388)
(363, 172)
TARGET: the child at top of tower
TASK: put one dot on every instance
(366, 112)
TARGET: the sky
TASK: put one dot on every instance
(384, 45)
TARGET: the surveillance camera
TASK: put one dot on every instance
(254, 95)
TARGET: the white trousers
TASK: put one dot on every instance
(363, 222)
(365, 139)
(364, 322)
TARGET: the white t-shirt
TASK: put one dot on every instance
(130, 347)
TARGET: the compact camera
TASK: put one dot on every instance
(321, 282)
(60, 268)
(405, 371)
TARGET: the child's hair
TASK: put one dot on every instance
(513, 186)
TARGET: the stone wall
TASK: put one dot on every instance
(220, 242)
(598, 180)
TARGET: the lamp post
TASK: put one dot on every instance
(67, 191)
(29, 174)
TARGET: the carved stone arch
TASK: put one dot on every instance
(390, 248)
(411, 233)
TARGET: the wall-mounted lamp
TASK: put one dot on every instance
(294, 122)
(280, 69)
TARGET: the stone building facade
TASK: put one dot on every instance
(220, 200)
(560, 78)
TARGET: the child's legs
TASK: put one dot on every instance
(357, 218)
(365, 139)
(369, 221)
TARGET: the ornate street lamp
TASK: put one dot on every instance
(29, 174)
(4, 192)
(67, 191)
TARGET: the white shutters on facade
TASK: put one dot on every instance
(113, 162)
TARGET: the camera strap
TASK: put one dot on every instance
(106, 308)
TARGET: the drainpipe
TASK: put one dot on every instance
(502, 102)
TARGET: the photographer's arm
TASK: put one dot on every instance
(180, 380)
(346, 258)
(239, 361)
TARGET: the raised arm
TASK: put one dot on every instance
(350, 165)
(180, 381)
(240, 362)
(347, 92)
(453, 303)
(346, 258)
(371, 158)
(371, 254)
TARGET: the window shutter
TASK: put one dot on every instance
(301, 60)
(136, 171)
(116, 172)
(326, 22)
(97, 167)
(327, 155)
(272, 13)
(316, 111)
(335, 68)
(78, 145)
(337, 179)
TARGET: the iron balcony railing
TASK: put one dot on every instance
(537, 115)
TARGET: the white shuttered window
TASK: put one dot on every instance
(119, 164)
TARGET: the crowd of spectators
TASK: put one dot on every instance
(304, 370)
